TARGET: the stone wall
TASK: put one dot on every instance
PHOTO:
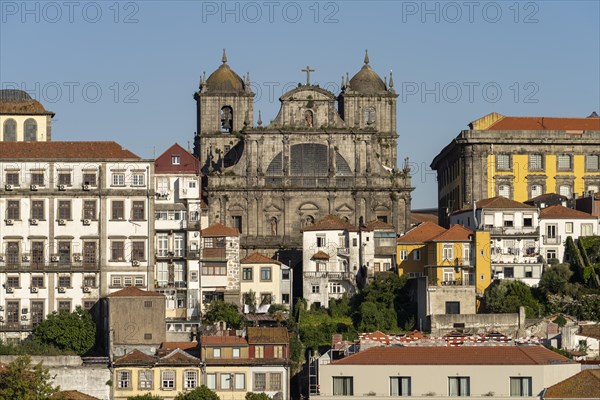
(507, 324)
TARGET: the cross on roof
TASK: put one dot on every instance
(308, 71)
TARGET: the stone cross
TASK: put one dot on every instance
(308, 71)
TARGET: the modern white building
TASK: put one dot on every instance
(557, 223)
(75, 226)
(515, 237)
(178, 221)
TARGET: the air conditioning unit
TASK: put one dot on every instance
(86, 187)
(77, 257)
(62, 221)
(10, 289)
(62, 187)
(8, 187)
(86, 289)
(135, 263)
(23, 317)
(34, 187)
(9, 221)
(25, 258)
(87, 221)
(54, 258)
(33, 221)
(62, 289)
(34, 289)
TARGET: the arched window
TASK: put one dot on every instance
(30, 130)
(10, 130)
(307, 221)
(227, 119)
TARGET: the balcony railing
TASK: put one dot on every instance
(343, 251)
(512, 230)
(551, 239)
(49, 267)
(16, 326)
(349, 276)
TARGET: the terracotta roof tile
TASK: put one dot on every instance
(178, 357)
(545, 123)
(179, 345)
(132, 291)
(257, 258)
(320, 255)
(456, 233)
(421, 233)
(378, 225)
(213, 340)
(218, 230)
(480, 355)
(555, 197)
(561, 212)
(136, 357)
(331, 223)
(584, 385)
(267, 335)
(72, 395)
(418, 217)
(65, 151)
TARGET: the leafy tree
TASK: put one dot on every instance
(146, 396)
(74, 331)
(555, 279)
(219, 310)
(372, 318)
(200, 393)
(508, 296)
(258, 396)
(20, 381)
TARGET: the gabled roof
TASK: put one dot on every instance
(65, 151)
(136, 357)
(331, 223)
(267, 335)
(320, 255)
(456, 233)
(584, 385)
(378, 225)
(179, 357)
(422, 233)
(257, 258)
(442, 355)
(546, 198)
(132, 291)
(546, 124)
(187, 162)
(213, 340)
(218, 230)
(561, 212)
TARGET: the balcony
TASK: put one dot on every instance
(49, 267)
(16, 326)
(334, 276)
(343, 251)
(214, 253)
(551, 239)
(528, 231)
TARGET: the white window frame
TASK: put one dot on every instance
(118, 179)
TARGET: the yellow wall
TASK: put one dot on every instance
(483, 262)
(227, 370)
(226, 352)
(122, 394)
(410, 265)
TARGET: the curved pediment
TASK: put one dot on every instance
(307, 93)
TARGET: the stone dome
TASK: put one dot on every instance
(14, 101)
(224, 79)
(366, 80)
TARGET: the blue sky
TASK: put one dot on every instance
(126, 71)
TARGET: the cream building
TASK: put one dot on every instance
(23, 119)
(269, 280)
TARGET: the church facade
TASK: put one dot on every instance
(322, 154)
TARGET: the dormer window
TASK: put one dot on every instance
(175, 159)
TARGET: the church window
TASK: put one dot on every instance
(10, 130)
(564, 162)
(30, 130)
(369, 116)
(227, 119)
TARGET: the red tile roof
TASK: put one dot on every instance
(211, 340)
(320, 255)
(561, 212)
(135, 357)
(257, 258)
(187, 162)
(456, 233)
(179, 357)
(482, 355)
(65, 151)
(545, 123)
(218, 230)
(132, 291)
(178, 345)
(378, 225)
(72, 395)
(418, 217)
(267, 335)
(421, 233)
(331, 223)
(584, 385)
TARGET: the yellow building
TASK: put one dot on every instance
(518, 158)
(137, 373)
(227, 365)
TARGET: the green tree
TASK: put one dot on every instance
(555, 279)
(20, 381)
(74, 331)
(146, 396)
(221, 311)
(200, 393)
(508, 296)
(258, 396)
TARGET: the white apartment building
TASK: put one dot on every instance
(557, 223)
(514, 237)
(264, 282)
(178, 221)
(75, 226)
